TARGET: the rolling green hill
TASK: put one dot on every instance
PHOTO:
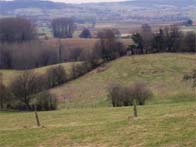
(168, 120)
(163, 73)
(9, 75)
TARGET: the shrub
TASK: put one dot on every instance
(80, 69)
(3, 93)
(191, 77)
(140, 92)
(56, 76)
(119, 95)
(124, 95)
(45, 102)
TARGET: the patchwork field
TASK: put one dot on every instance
(81, 43)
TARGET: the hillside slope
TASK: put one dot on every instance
(163, 73)
(9, 75)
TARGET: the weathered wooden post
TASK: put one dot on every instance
(36, 116)
(135, 107)
(2, 90)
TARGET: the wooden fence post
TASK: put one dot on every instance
(36, 116)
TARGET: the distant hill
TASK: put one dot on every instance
(18, 4)
(181, 3)
(137, 11)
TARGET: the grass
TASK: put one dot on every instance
(162, 72)
(157, 126)
(168, 119)
(9, 75)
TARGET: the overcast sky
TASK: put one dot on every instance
(83, 1)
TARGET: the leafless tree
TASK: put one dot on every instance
(63, 27)
(108, 47)
(27, 55)
(25, 86)
(16, 30)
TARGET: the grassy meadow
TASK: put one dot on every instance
(86, 118)
(161, 125)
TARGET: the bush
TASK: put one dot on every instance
(119, 95)
(56, 76)
(140, 92)
(124, 95)
(3, 93)
(45, 102)
(80, 69)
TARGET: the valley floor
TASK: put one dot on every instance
(161, 125)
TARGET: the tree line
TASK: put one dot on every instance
(168, 39)
(20, 47)
(17, 29)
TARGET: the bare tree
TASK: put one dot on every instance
(189, 42)
(6, 57)
(25, 86)
(108, 47)
(16, 30)
(63, 27)
(147, 35)
(27, 55)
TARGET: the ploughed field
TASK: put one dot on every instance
(81, 43)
